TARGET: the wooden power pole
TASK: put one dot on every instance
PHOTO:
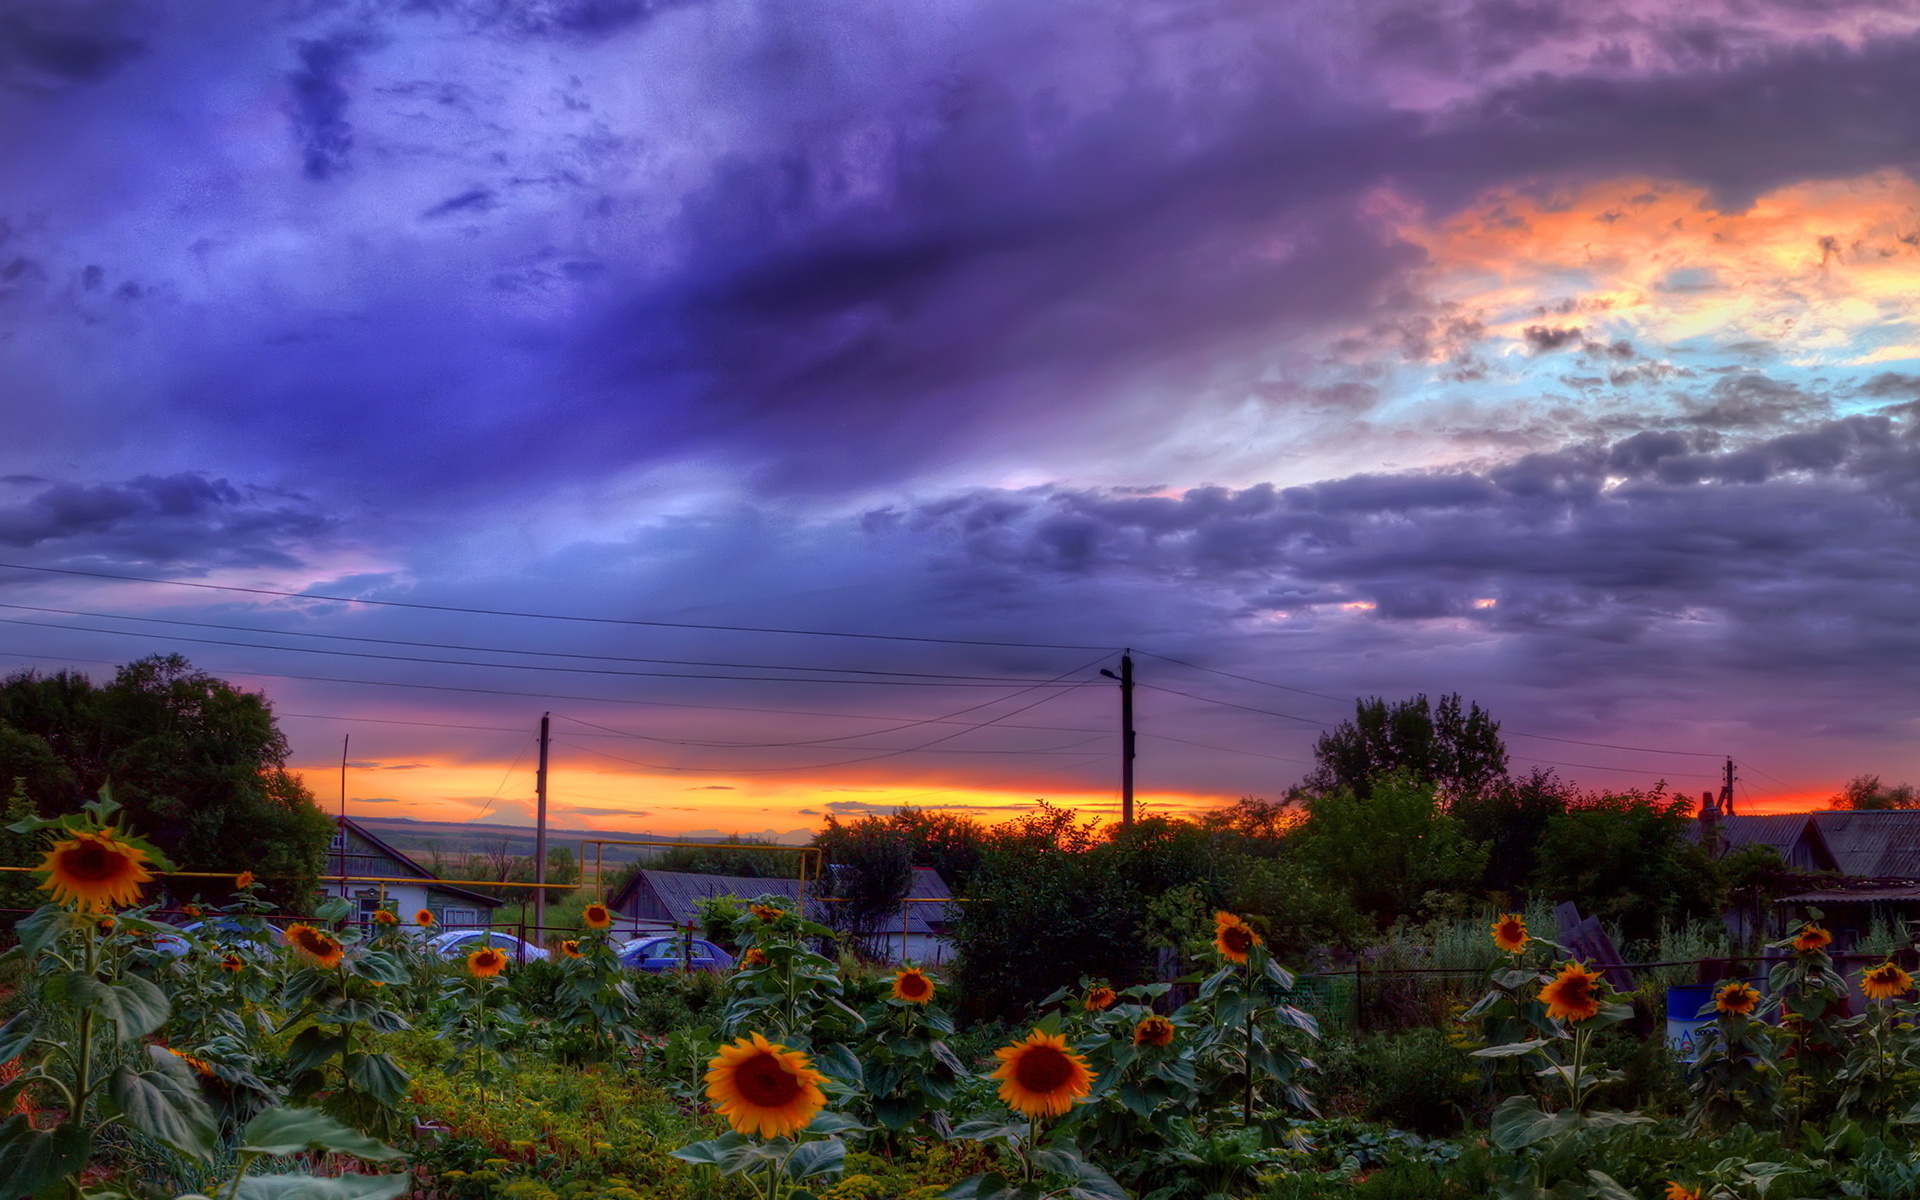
(1126, 735)
(1726, 791)
(540, 837)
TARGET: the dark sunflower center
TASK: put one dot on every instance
(765, 1081)
(92, 862)
(1577, 990)
(913, 986)
(1510, 931)
(1237, 938)
(1043, 1069)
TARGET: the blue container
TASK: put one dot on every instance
(1684, 1021)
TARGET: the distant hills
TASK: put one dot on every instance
(421, 838)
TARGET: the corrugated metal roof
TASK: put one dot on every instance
(1873, 844)
(679, 893)
(1779, 830)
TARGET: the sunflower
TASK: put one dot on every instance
(1155, 1030)
(763, 1087)
(1232, 937)
(913, 986)
(597, 916)
(754, 957)
(317, 944)
(1737, 998)
(95, 872)
(424, 919)
(1886, 982)
(199, 1065)
(570, 949)
(1680, 1191)
(243, 881)
(1042, 1076)
(194, 911)
(232, 963)
(1812, 938)
(1571, 996)
(766, 912)
(486, 962)
(382, 916)
(1099, 999)
(1510, 933)
(106, 924)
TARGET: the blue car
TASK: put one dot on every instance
(668, 953)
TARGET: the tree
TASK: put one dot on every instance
(1625, 857)
(1461, 753)
(199, 766)
(1055, 899)
(1866, 793)
(736, 857)
(1392, 847)
(1511, 817)
(868, 871)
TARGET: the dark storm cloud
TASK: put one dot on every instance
(1797, 550)
(186, 518)
(43, 43)
(319, 104)
(893, 255)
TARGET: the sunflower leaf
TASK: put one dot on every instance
(44, 927)
(281, 1131)
(310, 1187)
(817, 1158)
(165, 1104)
(378, 1076)
(33, 1160)
(16, 1035)
(136, 1006)
(1510, 1050)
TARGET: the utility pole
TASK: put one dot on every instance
(540, 836)
(1126, 734)
(340, 827)
(1726, 791)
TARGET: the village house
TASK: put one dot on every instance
(378, 875)
(1870, 860)
(654, 902)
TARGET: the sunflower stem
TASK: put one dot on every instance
(1246, 1112)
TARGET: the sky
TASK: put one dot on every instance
(803, 402)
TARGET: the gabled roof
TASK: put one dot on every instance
(1873, 845)
(1782, 831)
(680, 892)
(404, 865)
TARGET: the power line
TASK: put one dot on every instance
(342, 637)
(1622, 770)
(851, 736)
(441, 687)
(1246, 678)
(819, 766)
(923, 681)
(997, 782)
(1230, 704)
(1503, 729)
(1162, 737)
(495, 612)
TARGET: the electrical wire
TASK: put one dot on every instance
(923, 681)
(1162, 737)
(439, 687)
(1245, 678)
(1230, 704)
(820, 766)
(494, 612)
(869, 733)
(342, 637)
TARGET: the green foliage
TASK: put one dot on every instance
(198, 765)
(1510, 817)
(1391, 847)
(1459, 754)
(1625, 858)
(1867, 794)
(868, 872)
(1054, 900)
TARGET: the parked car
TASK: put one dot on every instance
(673, 953)
(459, 943)
(224, 931)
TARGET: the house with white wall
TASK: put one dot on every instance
(373, 874)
